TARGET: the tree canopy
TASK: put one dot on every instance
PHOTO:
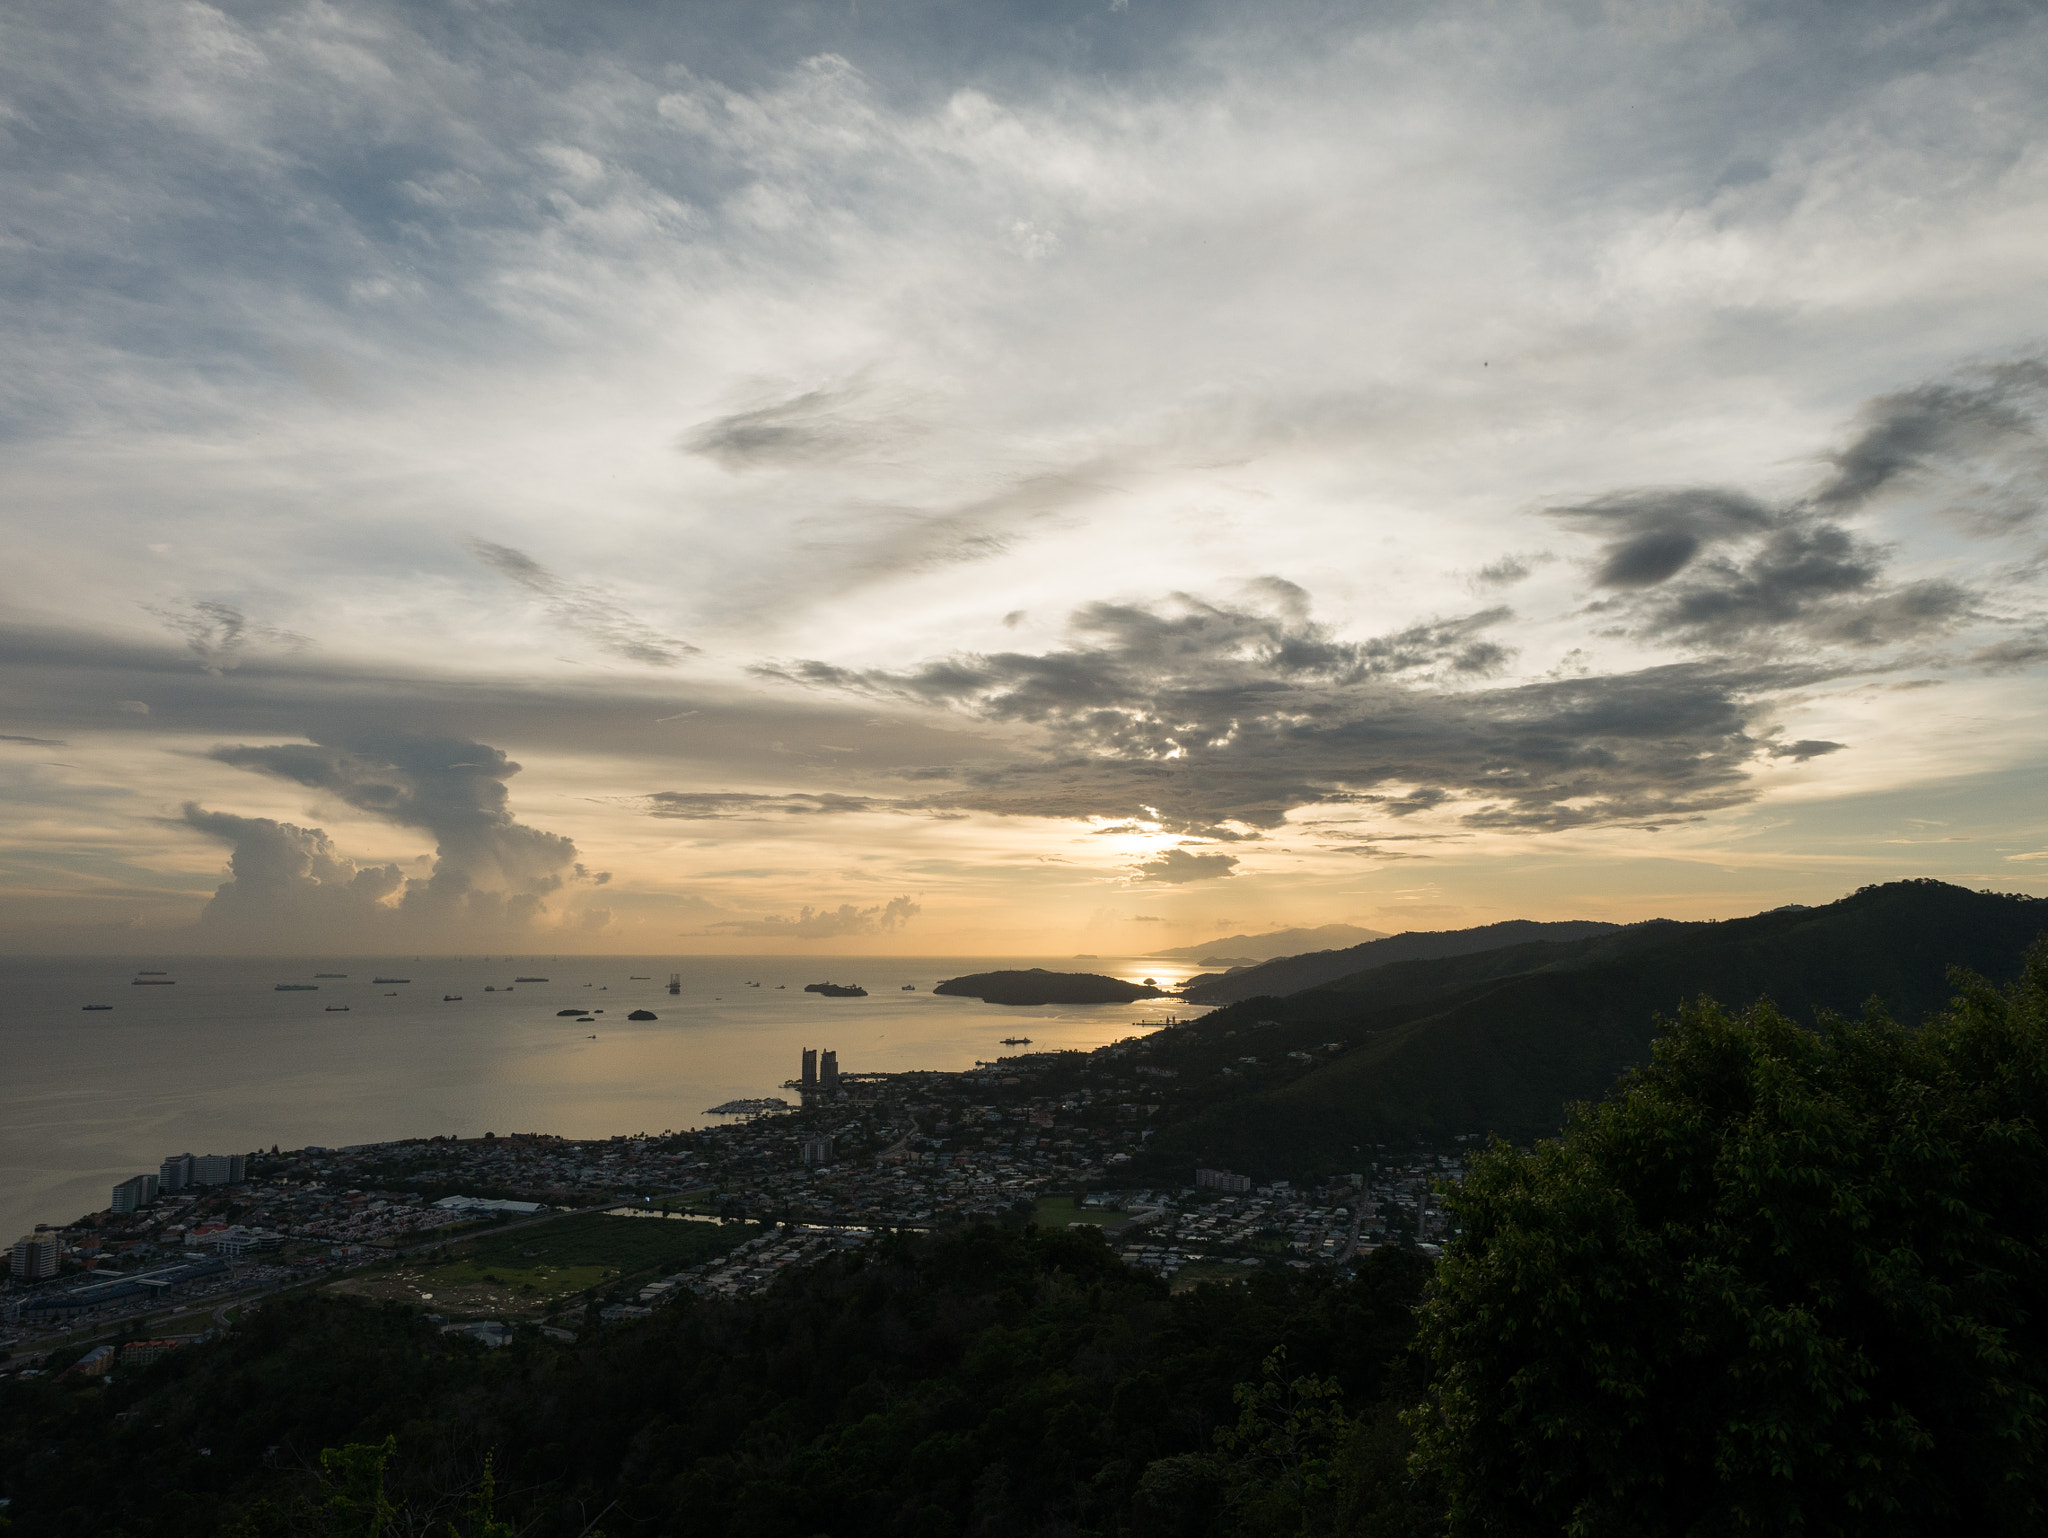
(1781, 1281)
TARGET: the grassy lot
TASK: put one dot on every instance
(1195, 1273)
(536, 1268)
(1059, 1211)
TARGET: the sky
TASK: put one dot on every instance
(957, 478)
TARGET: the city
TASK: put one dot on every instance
(1049, 1137)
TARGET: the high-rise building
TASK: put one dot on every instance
(828, 1071)
(1222, 1180)
(35, 1257)
(219, 1169)
(810, 1078)
(137, 1191)
(175, 1173)
(818, 1150)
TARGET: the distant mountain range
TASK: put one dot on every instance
(1292, 973)
(1499, 1040)
(1241, 950)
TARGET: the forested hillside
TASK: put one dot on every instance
(1500, 1041)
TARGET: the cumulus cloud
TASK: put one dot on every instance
(288, 885)
(826, 923)
(491, 872)
(584, 610)
(1174, 867)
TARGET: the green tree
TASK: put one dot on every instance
(1782, 1281)
(357, 1505)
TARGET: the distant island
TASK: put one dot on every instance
(1038, 986)
(1248, 950)
(837, 990)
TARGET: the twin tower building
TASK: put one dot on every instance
(820, 1074)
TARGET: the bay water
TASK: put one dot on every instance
(219, 1061)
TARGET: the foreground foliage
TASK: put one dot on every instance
(993, 1382)
(1784, 1281)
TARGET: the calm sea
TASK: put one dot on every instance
(220, 1062)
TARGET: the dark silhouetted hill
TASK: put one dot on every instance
(1501, 1041)
(1291, 974)
(1281, 942)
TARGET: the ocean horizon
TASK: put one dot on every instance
(220, 1061)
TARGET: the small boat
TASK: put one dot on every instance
(489, 989)
(451, 998)
(330, 974)
(337, 1009)
(1016, 1041)
(590, 1038)
(529, 979)
(910, 987)
(96, 1006)
(634, 979)
(569, 1012)
(390, 995)
(296, 988)
(390, 979)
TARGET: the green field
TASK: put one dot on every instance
(579, 1251)
(536, 1266)
(1059, 1211)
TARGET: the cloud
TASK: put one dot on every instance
(712, 805)
(584, 610)
(826, 923)
(1510, 569)
(219, 633)
(1705, 566)
(1799, 752)
(132, 707)
(1196, 715)
(814, 426)
(1987, 423)
(287, 885)
(33, 742)
(491, 872)
(1175, 867)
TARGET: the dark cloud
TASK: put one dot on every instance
(1705, 566)
(1197, 716)
(1176, 867)
(826, 923)
(33, 742)
(584, 610)
(1800, 752)
(489, 870)
(1650, 535)
(1988, 422)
